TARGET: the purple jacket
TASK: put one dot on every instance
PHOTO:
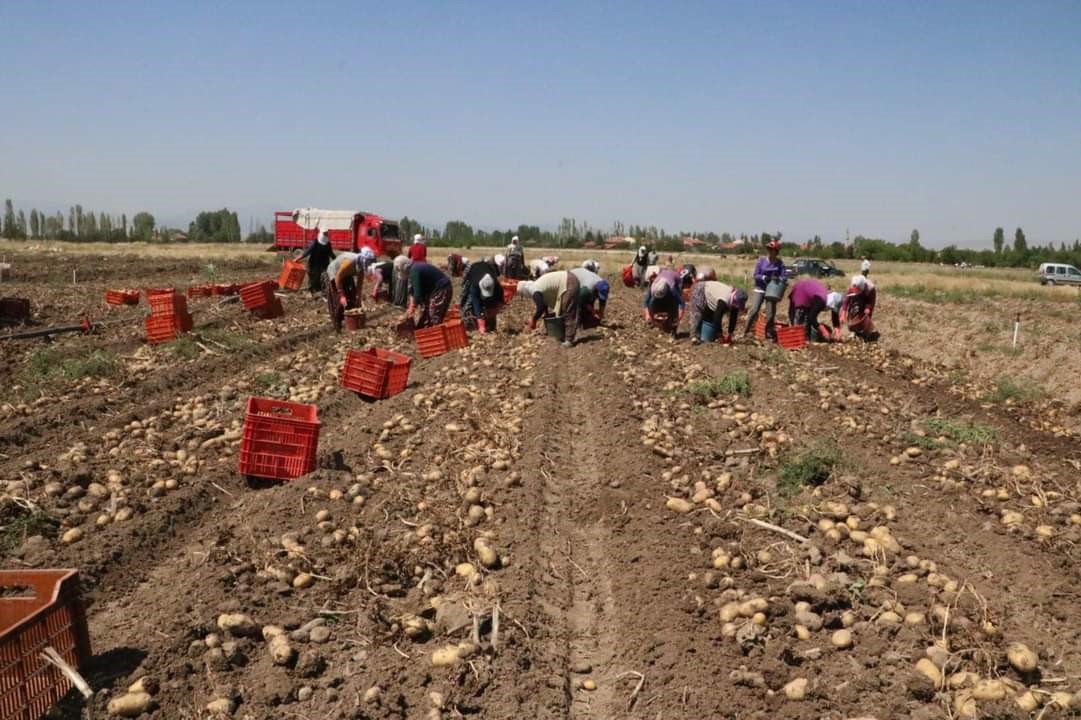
(764, 271)
(805, 291)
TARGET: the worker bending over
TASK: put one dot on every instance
(592, 297)
(482, 295)
(665, 297)
(710, 301)
(430, 291)
(809, 297)
(344, 279)
(554, 293)
(857, 308)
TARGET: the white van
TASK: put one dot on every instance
(1059, 274)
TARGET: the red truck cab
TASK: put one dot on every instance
(349, 230)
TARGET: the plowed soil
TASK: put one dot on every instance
(630, 528)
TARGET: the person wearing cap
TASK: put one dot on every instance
(555, 291)
(809, 297)
(482, 294)
(319, 255)
(515, 259)
(400, 286)
(664, 295)
(768, 269)
(709, 302)
(592, 297)
(418, 251)
(430, 290)
(857, 308)
(592, 265)
(344, 280)
(865, 266)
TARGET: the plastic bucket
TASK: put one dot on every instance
(354, 320)
(555, 327)
(775, 290)
(709, 331)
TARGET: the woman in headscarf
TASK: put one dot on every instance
(319, 255)
(858, 306)
(430, 290)
(710, 301)
(554, 293)
(664, 296)
(641, 262)
(767, 270)
(482, 294)
(401, 280)
(809, 297)
(344, 280)
(592, 297)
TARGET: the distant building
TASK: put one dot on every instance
(692, 243)
(180, 237)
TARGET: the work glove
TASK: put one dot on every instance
(532, 324)
(342, 299)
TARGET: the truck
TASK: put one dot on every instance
(349, 230)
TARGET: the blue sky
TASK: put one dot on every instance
(805, 117)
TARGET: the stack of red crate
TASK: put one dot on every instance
(169, 316)
(122, 297)
(280, 439)
(259, 298)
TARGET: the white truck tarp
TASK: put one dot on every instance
(314, 219)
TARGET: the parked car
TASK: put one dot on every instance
(1059, 274)
(814, 267)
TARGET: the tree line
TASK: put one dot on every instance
(223, 225)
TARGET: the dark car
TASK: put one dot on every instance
(814, 267)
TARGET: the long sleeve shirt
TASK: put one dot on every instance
(551, 287)
(671, 279)
(320, 255)
(425, 279)
(805, 291)
(766, 270)
(345, 265)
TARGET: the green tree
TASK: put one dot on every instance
(20, 226)
(220, 226)
(914, 239)
(124, 224)
(79, 227)
(8, 228)
(999, 240)
(1020, 245)
(142, 227)
(458, 234)
(88, 228)
(35, 228)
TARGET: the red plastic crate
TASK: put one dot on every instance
(431, 342)
(280, 439)
(226, 289)
(46, 611)
(200, 291)
(271, 310)
(510, 289)
(292, 275)
(122, 297)
(791, 337)
(162, 304)
(454, 331)
(375, 373)
(257, 294)
(163, 328)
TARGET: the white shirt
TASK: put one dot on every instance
(865, 266)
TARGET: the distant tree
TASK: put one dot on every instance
(8, 228)
(458, 234)
(35, 228)
(105, 224)
(79, 228)
(914, 239)
(220, 226)
(999, 240)
(949, 255)
(260, 236)
(20, 226)
(72, 227)
(88, 228)
(124, 224)
(142, 227)
(1020, 245)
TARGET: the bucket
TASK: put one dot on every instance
(354, 319)
(555, 327)
(709, 331)
(775, 289)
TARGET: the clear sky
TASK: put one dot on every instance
(805, 117)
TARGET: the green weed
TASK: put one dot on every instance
(735, 383)
(268, 380)
(185, 349)
(960, 431)
(18, 522)
(50, 364)
(810, 467)
(1008, 389)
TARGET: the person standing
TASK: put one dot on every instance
(865, 266)
(418, 251)
(555, 291)
(400, 286)
(641, 262)
(319, 255)
(515, 262)
(430, 290)
(769, 269)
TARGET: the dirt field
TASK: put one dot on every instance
(631, 528)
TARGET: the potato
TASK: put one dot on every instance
(930, 671)
(281, 652)
(989, 690)
(237, 624)
(841, 639)
(130, 705)
(446, 656)
(1021, 657)
(679, 505)
(73, 535)
(796, 689)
